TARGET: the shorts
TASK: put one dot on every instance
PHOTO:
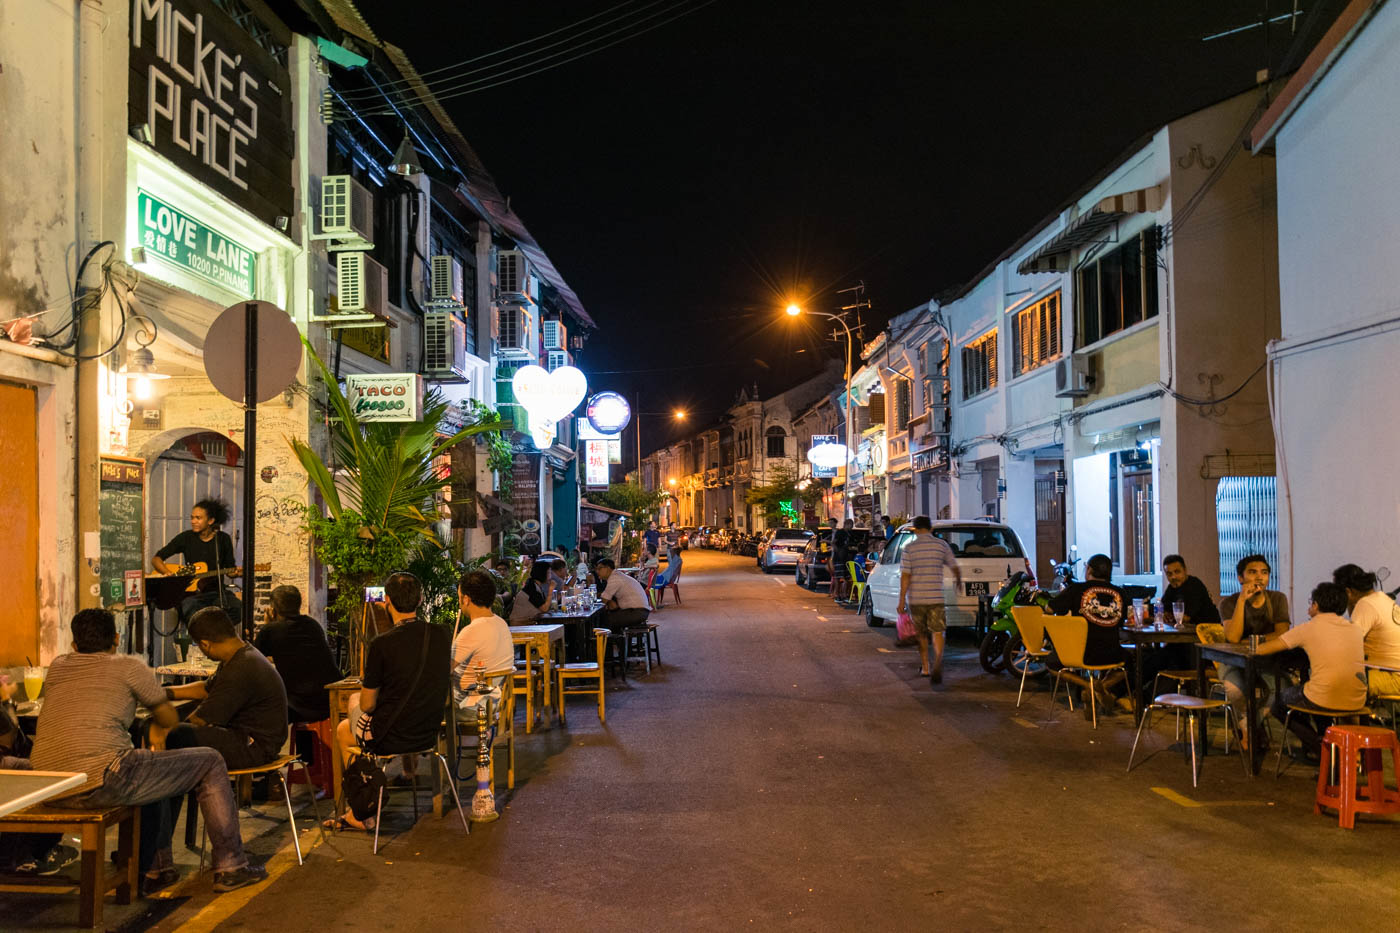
(929, 619)
(360, 722)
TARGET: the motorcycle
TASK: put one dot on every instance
(1018, 590)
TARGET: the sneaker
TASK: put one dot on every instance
(57, 859)
(151, 884)
(235, 878)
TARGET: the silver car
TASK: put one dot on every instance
(783, 548)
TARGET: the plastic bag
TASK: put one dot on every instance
(904, 629)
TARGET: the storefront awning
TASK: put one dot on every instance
(1053, 256)
(584, 504)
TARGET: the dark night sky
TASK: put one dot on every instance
(687, 181)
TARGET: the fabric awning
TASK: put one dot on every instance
(1053, 256)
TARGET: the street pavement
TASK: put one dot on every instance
(788, 768)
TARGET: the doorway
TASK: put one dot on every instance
(19, 523)
(1049, 519)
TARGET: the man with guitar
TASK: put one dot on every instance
(208, 558)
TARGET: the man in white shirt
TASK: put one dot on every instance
(1336, 655)
(1374, 613)
(625, 598)
(484, 643)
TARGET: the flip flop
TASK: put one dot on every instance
(341, 824)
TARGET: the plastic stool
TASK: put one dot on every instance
(1354, 746)
(319, 768)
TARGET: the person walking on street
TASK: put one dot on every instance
(921, 592)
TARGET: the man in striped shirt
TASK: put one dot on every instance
(921, 591)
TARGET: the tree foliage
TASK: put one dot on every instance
(771, 496)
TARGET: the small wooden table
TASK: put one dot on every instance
(340, 693)
(548, 641)
(187, 670)
(20, 789)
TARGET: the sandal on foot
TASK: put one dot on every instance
(341, 824)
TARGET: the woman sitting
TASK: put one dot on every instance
(1375, 614)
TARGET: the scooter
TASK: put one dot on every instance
(1018, 590)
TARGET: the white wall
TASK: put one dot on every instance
(1091, 505)
(1339, 226)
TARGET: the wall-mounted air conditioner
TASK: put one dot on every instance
(514, 278)
(556, 358)
(361, 283)
(516, 332)
(445, 273)
(1072, 377)
(347, 209)
(556, 335)
(444, 345)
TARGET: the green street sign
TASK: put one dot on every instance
(175, 237)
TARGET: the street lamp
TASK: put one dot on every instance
(796, 310)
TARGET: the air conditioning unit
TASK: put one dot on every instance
(556, 335)
(361, 283)
(516, 329)
(444, 345)
(446, 276)
(1072, 379)
(513, 276)
(347, 209)
(556, 358)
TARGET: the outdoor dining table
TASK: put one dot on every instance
(1138, 639)
(548, 642)
(20, 789)
(578, 627)
(1242, 656)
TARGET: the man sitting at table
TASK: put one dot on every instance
(296, 645)
(1105, 607)
(484, 643)
(1254, 610)
(1188, 590)
(1336, 650)
(625, 598)
(90, 700)
(406, 683)
(243, 707)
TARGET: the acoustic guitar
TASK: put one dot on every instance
(166, 591)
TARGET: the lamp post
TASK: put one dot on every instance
(796, 310)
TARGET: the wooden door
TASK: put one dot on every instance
(1049, 528)
(19, 525)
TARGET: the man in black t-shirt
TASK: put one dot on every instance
(296, 645)
(243, 708)
(204, 544)
(1184, 588)
(1105, 607)
(404, 691)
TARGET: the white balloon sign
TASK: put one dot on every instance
(828, 455)
(546, 395)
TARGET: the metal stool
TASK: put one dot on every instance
(446, 774)
(1192, 707)
(283, 766)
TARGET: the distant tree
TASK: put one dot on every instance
(775, 499)
(637, 502)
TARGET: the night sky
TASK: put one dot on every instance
(688, 182)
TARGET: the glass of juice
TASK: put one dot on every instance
(34, 681)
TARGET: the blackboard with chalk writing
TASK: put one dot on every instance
(121, 507)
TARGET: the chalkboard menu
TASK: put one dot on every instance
(525, 500)
(121, 505)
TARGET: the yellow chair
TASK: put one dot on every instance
(585, 671)
(527, 681)
(857, 578)
(1070, 634)
(502, 719)
(1030, 623)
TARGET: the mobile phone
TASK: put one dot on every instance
(374, 594)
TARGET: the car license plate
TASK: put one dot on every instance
(976, 588)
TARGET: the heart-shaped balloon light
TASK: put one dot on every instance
(549, 395)
(828, 456)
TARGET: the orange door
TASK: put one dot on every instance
(19, 525)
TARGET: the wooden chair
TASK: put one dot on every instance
(96, 879)
(1069, 635)
(588, 673)
(1030, 623)
(283, 767)
(502, 722)
(527, 682)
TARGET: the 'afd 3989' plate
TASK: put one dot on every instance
(976, 588)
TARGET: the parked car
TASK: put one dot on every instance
(987, 553)
(719, 540)
(686, 535)
(814, 563)
(700, 536)
(781, 547)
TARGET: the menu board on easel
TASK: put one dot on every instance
(121, 504)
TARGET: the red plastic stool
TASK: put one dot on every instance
(318, 768)
(1363, 747)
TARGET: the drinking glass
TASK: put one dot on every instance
(1137, 612)
(34, 681)
(1179, 613)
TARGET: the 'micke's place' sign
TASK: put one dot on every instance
(177, 238)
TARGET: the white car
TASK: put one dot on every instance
(782, 548)
(987, 553)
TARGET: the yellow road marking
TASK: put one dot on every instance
(1020, 721)
(226, 905)
(1187, 802)
(823, 619)
(884, 650)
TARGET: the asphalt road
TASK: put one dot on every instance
(788, 768)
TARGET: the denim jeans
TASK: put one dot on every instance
(149, 779)
(206, 598)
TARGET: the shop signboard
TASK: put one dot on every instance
(213, 100)
(174, 237)
(525, 501)
(595, 464)
(824, 472)
(386, 396)
(615, 450)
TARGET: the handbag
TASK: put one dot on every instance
(904, 629)
(363, 778)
